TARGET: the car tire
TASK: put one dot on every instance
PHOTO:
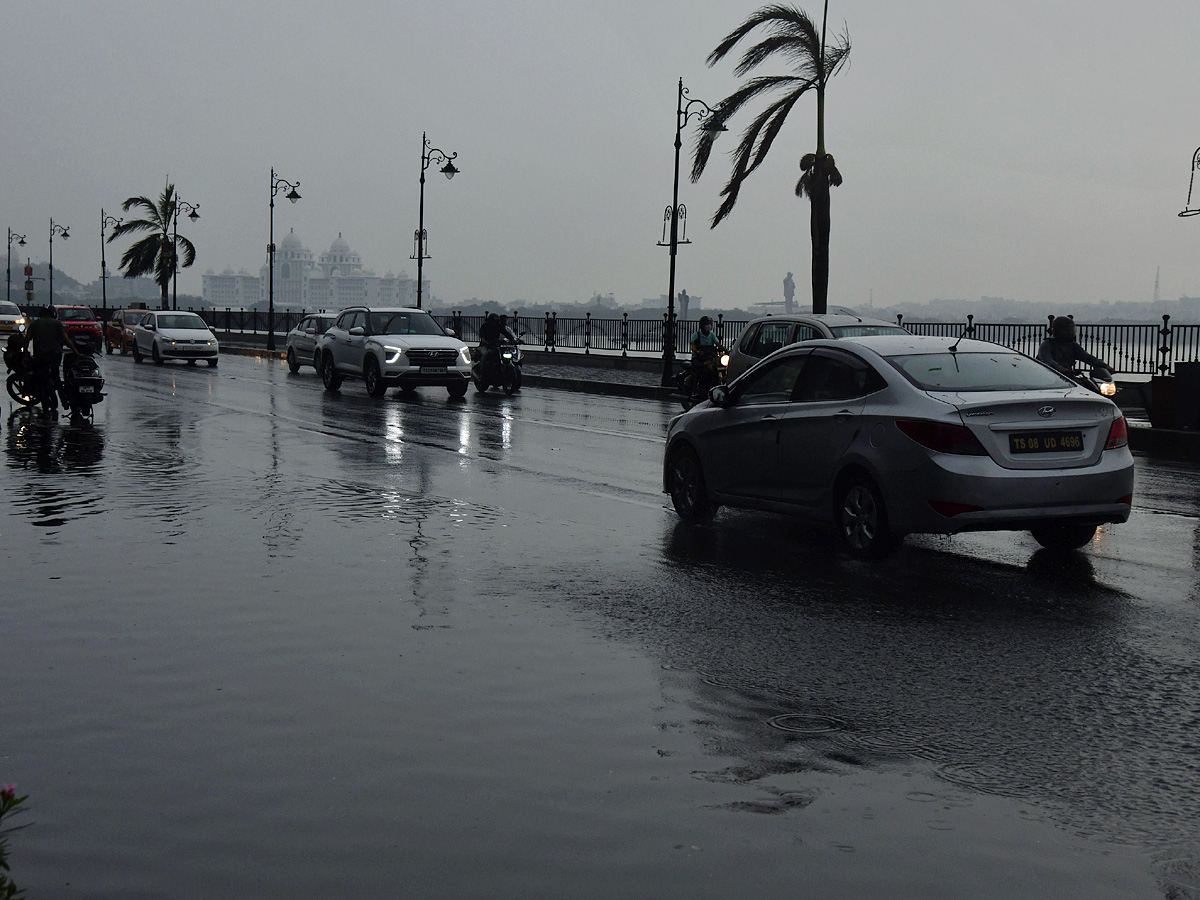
(293, 363)
(376, 386)
(1063, 536)
(688, 489)
(457, 391)
(212, 363)
(329, 374)
(155, 355)
(137, 354)
(862, 520)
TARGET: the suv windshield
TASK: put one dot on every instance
(851, 331)
(999, 371)
(406, 322)
(182, 321)
(9, 309)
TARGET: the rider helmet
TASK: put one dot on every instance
(1063, 329)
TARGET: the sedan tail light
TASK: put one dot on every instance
(942, 437)
(1118, 434)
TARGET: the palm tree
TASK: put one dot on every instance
(157, 252)
(790, 34)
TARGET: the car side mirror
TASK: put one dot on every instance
(310, 331)
(358, 331)
(719, 396)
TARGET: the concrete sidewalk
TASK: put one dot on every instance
(641, 379)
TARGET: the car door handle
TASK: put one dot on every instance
(842, 414)
(768, 418)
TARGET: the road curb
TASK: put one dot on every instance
(587, 386)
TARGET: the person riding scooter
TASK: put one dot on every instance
(47, 337)
(706, 351)
(1060, 351)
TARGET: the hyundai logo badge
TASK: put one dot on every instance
(1046, 412)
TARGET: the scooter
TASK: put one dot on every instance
(1098, 380)
(696, 379)
(82, 384)
(503, 370)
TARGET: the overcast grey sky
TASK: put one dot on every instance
(1036, 150)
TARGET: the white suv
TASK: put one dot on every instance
(392, 347)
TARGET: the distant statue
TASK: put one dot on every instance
(789, 293)
(684, 299)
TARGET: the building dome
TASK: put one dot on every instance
(291, 242)
(340, 245)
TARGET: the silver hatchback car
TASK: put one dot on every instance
(763, 336)
(886, 436)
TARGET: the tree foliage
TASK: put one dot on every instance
(157, 252)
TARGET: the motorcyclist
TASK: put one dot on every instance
(47, 337)
(705, 351)
(1060, 351)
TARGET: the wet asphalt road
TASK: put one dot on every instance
(261, 640)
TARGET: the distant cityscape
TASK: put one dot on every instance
(337, 278)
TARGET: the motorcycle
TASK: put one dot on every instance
(695, 380)
(20, 381)
(502, 368)
(82, 384)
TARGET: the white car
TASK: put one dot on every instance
(174, 335)
(392, 346)
(12, 320)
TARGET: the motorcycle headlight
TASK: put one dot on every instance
(1108, 389)
(507, 354)
(391, 355)
(725, 360)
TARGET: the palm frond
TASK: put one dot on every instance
(729, 107)
(188, 254)
(140, 258)
(776, 15)
(803, 50)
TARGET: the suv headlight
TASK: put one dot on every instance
(391, 355)
(464, 356)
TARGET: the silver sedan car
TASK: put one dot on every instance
(886, 436)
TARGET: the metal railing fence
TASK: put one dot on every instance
(1131, 349)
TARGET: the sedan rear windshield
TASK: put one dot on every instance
(404, 323)
(999, 371)
(852, 331)
(182, 322)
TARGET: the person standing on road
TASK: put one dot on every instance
(47, 337)
(789, 293)
(1060, 351)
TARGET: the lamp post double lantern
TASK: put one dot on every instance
(105, 221)
(193, 211)
(1188, 209)
(685, 109)
(55, 229)
(277, 185)
(20, 239)
(428, 155)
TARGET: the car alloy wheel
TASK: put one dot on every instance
(376, 386)
(689, 493)
(862, 521)
(293, 363)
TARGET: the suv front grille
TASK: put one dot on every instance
(432, 357)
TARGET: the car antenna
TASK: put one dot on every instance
(954, 346)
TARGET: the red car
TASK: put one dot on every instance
(82, 326)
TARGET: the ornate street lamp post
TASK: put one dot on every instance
(105, 221)
(428, 155)
(20, 239)
(193, 214)
(675, 214)
(277, 184)
(55, 229)
(1187, 207)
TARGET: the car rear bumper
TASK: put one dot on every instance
(975, 494)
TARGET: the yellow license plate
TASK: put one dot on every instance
(1046, 442)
